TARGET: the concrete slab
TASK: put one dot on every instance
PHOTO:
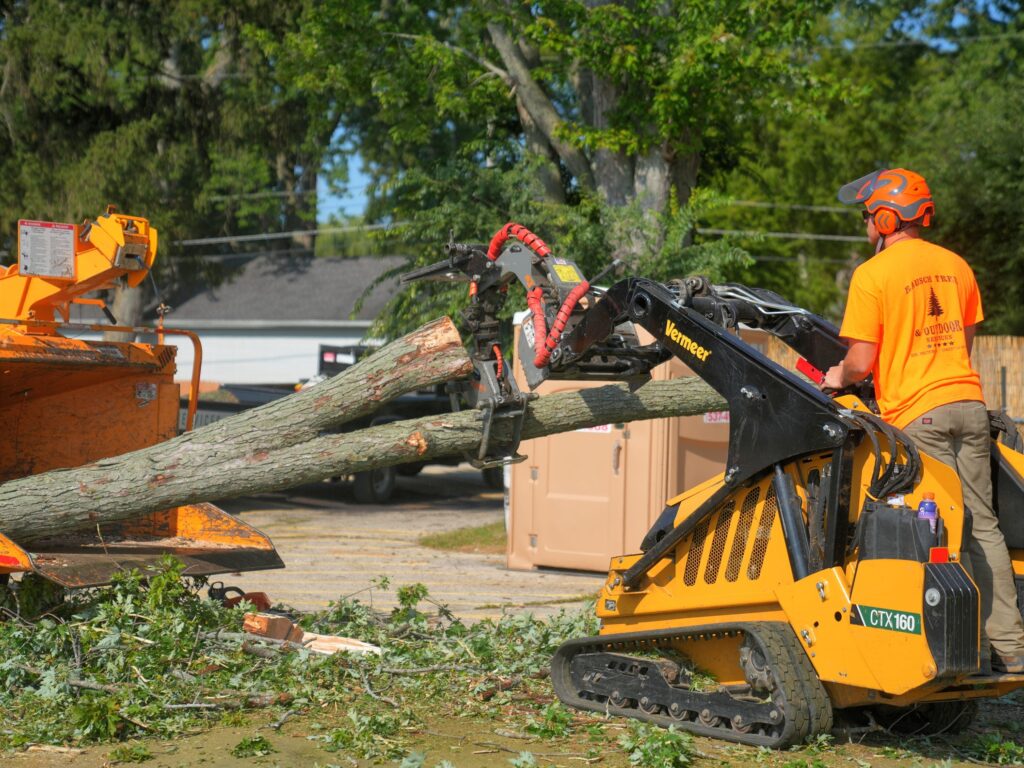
(334, 547)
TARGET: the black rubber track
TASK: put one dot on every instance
(797, 693)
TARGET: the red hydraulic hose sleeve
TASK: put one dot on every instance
(544, 355)
(473, 289)
(535, 301)
(520, 232)
(500, 367)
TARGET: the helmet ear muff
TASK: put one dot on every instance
(886, 221)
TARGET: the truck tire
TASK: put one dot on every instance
(494, 477)
(374, 487)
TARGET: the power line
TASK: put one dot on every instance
(795, 206)
(276, 193)
(781, 235)
(262, 237)
(281, 235)
(939, 41)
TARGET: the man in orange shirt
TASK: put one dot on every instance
(910, 320)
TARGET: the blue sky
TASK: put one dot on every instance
(353, 203)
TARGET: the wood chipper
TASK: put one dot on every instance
(797, 584)
(67, 401)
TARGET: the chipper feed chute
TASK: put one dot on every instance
(69, 401)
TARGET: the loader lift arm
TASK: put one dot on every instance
(581, 332)
(771, 410)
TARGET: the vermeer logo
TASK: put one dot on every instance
(686, 342)
(884, 618)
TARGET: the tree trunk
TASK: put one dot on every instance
(137, 483)
(180, 470)
(127, 309)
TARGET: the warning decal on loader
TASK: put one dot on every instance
(884, 618)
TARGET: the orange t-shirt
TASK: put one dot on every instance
(914, 300)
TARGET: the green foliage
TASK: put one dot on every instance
(653, 747)
(555, 722)
(374, 735)
(523, 760)
(129, 753)
(253, 746)
(622, 110)
(168, 110)
(993, 748)
(488, 538)
(149, 652)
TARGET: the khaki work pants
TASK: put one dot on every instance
(958, 436)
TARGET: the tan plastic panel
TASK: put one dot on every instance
(583, 497)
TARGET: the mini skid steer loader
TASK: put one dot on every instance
(67, 401)
(799, 580)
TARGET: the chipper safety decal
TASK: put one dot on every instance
(885, 618)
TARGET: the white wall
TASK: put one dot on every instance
(283, 356)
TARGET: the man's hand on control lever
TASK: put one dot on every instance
(833, 380)
(856, 366)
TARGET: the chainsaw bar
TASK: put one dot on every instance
(782, 702)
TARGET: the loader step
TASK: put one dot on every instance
(782, 702)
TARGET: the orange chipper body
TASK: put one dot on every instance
(69, 401)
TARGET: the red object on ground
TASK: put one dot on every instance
(259, 600)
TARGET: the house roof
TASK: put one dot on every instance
(292, 290)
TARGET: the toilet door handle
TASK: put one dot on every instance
(616, 455)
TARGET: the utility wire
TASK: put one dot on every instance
(781, 235)
(281, 235)
(276, 193)
(935, 42)
(371, 227)
(795, 206)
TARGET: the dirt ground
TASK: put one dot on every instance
(334, 547)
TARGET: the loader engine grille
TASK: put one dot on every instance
(722, 526)
(700, 534)
(739, 541)
(764, 529)
(739, 524)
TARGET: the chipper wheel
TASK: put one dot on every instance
(782, 702)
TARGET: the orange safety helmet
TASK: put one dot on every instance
(894, 197)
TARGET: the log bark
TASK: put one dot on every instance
(137, 483)
(179, 471)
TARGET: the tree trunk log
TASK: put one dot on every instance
(189, 467)
(143, 481)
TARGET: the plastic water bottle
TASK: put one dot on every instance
(928, 510)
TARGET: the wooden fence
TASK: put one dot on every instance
(999, 360)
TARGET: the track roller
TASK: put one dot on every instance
(782, 702)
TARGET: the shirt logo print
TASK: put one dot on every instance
(934, 307)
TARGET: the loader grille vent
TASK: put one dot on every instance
(166, 356)
(700, 534)
(722, 526)
(764, 528)
(739, 542)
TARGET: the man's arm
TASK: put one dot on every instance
(969, 335)
(857, 364)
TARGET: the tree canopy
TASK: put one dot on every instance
(678, 136)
